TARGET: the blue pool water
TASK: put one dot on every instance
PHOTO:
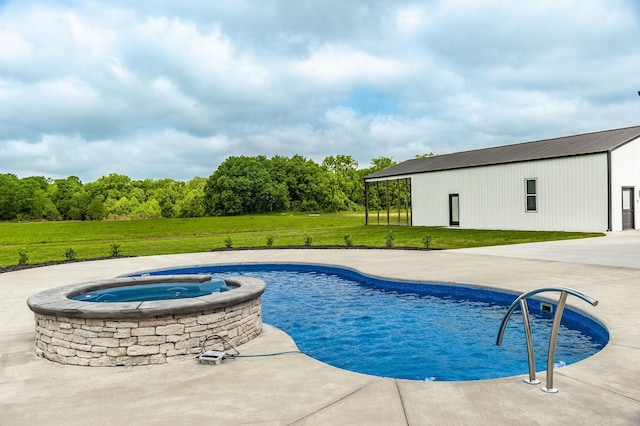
(408, 330)
(149, 292)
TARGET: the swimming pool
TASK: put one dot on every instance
(407, 330)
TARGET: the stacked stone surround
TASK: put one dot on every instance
(109, 343)
(164, 332)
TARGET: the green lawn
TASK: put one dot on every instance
(48, 241)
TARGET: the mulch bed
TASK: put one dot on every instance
(13, 268)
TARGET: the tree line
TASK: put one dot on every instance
(241, 184)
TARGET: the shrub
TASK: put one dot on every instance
(270, 239)
(23, 257)
(70, 254)
(115, 249)
(389, 239)
(347, 240)
(426, 241)
(228, 242)
(308, 240)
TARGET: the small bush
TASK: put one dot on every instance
(228, 242)
(23, 257)
(348, 241)
(115, 249)
(270, 239)
(70, 254)
(389, 238)
(426, 241)
(308, 240)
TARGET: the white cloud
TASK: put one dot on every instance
(411, 19)
(170, 90)
(333, 66)
(13, 47)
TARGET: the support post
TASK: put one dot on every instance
(407, 194)
(366, 202)
(378, 200)
(398, 196)
(387, 197)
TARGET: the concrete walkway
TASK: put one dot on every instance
(296, 389)
(616, 249)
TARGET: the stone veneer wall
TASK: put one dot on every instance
(156, 340)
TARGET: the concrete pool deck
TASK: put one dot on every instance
(296, 389)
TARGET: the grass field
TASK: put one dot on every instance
(49, 241)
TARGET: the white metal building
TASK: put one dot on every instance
(588, 182)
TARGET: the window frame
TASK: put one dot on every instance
(452, 222)
(531, 195)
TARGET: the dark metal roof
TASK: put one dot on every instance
(568, 146)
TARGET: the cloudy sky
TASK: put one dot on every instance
(170, 89)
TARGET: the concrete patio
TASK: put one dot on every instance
(296, 389)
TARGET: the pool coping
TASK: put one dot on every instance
(58, 300)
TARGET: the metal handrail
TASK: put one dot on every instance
(521, 300)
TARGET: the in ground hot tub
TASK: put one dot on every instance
(181, 289)
(141, 332)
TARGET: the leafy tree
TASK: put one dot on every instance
(244, 185)
(78, 205)
(108, 189)
(62, 193)
(50, 212)
(192, 202)
(96, 209)
(124, 207)
(9, 185)
(380, 163)
(138, 192)
(167, 192)
(32, 200)
(122, 197)
(113, 187)
(149, 209)
(306, 182)
(345, 189)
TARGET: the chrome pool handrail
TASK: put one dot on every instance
(521, 300)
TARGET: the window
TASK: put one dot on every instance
(454, 210)
(532, 195)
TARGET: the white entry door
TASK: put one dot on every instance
(628, 214)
